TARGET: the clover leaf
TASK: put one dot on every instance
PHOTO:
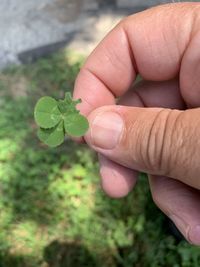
(76, 125)
(47, 114)
(55, 118)
(52, 137)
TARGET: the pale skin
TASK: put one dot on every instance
(158, 120)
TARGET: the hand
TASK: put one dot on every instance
(162, 45)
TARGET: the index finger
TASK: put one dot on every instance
(151, 43)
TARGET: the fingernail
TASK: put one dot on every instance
(106, 130)
(194, 235)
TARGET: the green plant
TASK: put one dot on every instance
(55, 118)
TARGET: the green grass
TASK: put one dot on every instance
(53, 212)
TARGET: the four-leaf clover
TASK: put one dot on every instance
(55, 118)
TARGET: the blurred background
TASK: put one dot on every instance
(53, 212)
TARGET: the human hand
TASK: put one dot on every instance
(162, 45)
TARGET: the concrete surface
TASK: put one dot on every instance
(32, 28)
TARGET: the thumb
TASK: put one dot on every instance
(153, 140)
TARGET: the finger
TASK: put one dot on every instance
(144, 93)
(152, 43)
(164, 94)
(117, 181)
(153, 140)
(190, 72)
(180, 203)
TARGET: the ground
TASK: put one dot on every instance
(53, 212)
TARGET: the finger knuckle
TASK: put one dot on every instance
(184, 160)
(159, 142)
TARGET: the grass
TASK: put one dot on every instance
(53, 212)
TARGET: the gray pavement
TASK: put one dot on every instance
(33, 28)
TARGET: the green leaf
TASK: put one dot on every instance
(52, 137)
(62, 106)
(76, 125)
(68, 105)
(46, 113)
